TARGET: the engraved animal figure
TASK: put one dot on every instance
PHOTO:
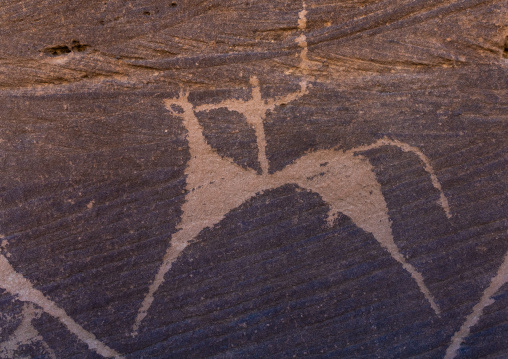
(344, 180)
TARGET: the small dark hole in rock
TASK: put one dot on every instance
(101, 22)
(76, 46)
(173, 4)
(57, 50)
(283, 104)
(147, 13)
(505, 52)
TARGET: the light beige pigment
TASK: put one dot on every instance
(15, 284)
(344, 180)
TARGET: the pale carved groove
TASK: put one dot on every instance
(25, 334)
(343, 179)
(17, 285)
(500, 279)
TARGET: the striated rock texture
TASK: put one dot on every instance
(254, 179)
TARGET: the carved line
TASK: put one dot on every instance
(472, 319)
(15, 284)
(443, 201)
(254, 110)
(25, 334)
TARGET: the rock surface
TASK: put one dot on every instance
(254, 179)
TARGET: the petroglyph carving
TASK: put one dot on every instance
(343, 179)
(17, 285)
(25, 334)
(500, 279)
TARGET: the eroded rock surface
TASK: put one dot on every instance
(191, 179)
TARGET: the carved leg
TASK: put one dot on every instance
(348, 184)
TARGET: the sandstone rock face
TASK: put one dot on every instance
(254, 179)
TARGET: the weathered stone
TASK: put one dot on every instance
(254, 179)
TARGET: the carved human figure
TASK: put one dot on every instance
(344, 180)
